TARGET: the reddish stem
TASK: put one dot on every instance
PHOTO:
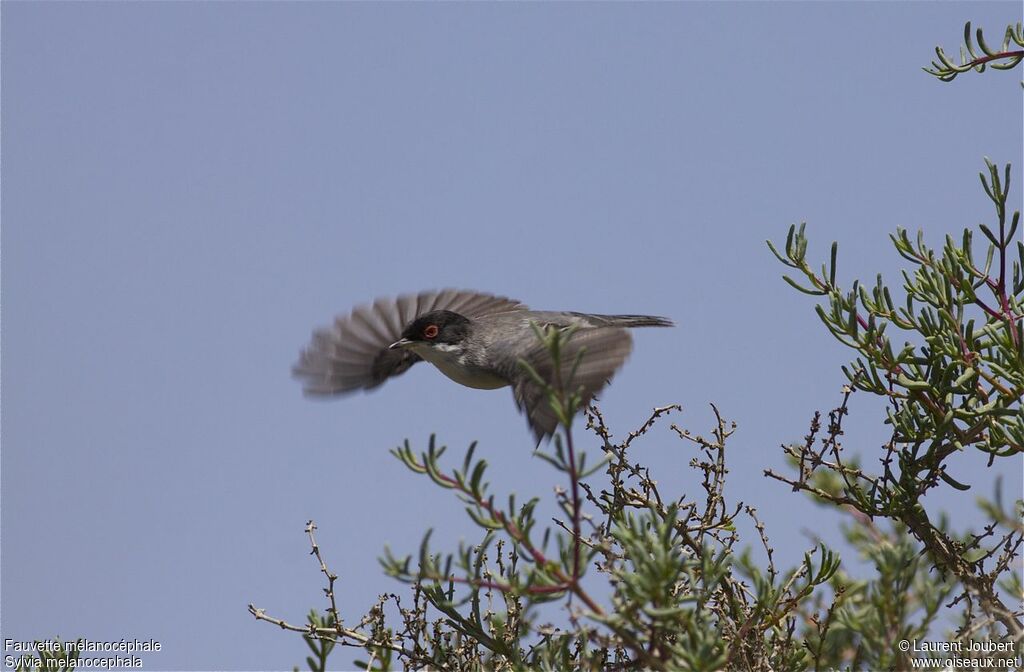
(996, 57)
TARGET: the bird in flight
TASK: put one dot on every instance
(476, 339)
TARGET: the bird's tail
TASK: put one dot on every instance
(635, 320)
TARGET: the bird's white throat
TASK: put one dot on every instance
(452, 361)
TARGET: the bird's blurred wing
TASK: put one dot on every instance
(603, 352)
(352, 354)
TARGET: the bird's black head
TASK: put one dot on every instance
(439, 326)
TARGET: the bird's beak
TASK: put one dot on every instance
(401, 343)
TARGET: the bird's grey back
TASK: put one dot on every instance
(508, 334)
(602, 340)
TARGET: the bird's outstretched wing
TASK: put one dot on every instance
(604, 350)
(352, 354)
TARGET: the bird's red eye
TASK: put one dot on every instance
(430, 331)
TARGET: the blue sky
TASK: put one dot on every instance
(189, 188)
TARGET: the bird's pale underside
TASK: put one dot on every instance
(480, 343)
